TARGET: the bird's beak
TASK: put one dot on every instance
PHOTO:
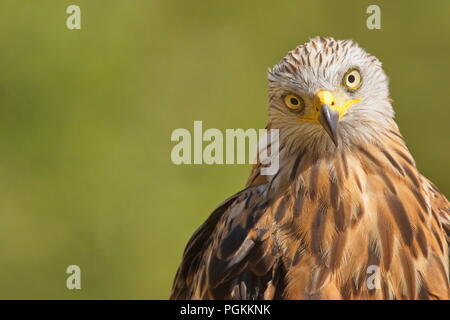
(329, 118)
(330, 112)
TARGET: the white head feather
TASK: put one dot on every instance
(321, 64)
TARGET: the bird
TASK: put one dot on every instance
(347, 215)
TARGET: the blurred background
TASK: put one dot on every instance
(86, 118)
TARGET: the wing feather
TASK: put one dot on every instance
(234, 250)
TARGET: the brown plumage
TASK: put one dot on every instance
(336, 208)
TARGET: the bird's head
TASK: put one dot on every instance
(329, 93)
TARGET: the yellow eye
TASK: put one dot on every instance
(293, 102)
(352, 79)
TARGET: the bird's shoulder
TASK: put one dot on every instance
(233, 254)
(439, 205)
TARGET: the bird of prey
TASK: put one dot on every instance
(346, 216)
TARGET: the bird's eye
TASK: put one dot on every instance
(293, 102)
(352, 79)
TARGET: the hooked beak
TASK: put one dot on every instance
(330, 112)
(327, 112)
(329, 118)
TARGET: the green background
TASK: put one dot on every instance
(86, 118)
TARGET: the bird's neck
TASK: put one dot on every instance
(348, 167)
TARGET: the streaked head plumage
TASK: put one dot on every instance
(337, 73)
